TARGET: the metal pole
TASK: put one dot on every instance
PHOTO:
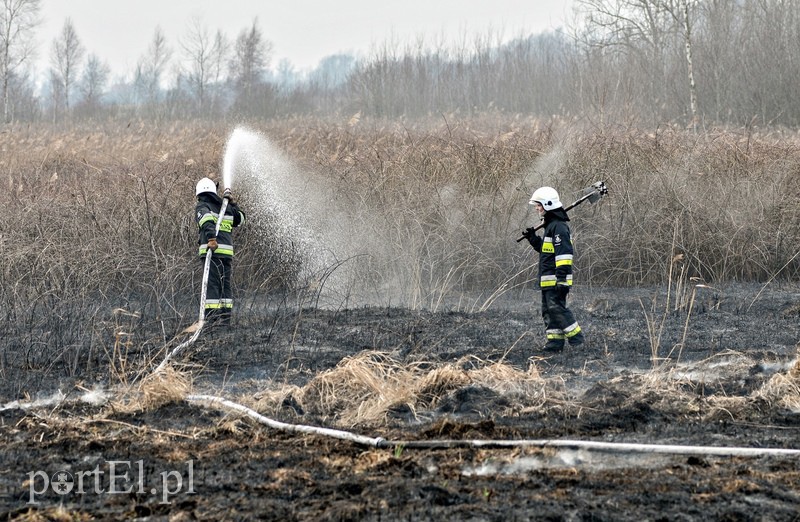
(598, 190)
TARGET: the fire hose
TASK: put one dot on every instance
(219, 403)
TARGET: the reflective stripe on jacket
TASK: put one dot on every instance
(207, 214)
(555, 258)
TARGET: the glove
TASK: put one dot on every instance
(212, 244)
(533, 239)
(563, 291)
(227, 194)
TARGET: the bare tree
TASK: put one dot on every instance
(219, 61)
(638, 28)
(151, 67)
(66, 57)
(18, 20)
(56, 92)
(203, 57)
(93, 82)
(767, 59)
(250, 61)
(286, 75)
(687, 38)
(718, 49)
(681, 12)
(219, 56)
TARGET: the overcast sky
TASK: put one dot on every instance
(301, 31)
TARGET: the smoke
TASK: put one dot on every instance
(412, 242)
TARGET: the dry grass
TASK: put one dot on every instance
(53, 514)
(783, 389)
(270, 401)
(361, 390)
(103, 219)
(155, 390)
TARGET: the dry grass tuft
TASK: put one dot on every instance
(360, 388)
(271, 401)
(363, 389)
(795, 369)
(155, 390)
(53, 514)
(508, 380)
(722, 407)
(783, 389)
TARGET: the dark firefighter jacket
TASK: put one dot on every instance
(206, 215)
(555, 252)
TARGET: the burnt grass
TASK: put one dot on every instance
(244, 470)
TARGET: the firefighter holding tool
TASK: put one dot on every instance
(218, 239)
(555, 269)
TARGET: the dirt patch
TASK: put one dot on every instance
(727, 376)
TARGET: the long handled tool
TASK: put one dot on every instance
(198, 326)
(593, 194)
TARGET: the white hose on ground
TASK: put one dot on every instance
(220, 403)
(224, 404)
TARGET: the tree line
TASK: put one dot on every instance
(649, 62)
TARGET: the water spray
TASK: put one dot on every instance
(233, 150)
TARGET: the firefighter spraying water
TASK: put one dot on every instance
(216, 217)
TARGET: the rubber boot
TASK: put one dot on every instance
(577, 339)
(554, 346)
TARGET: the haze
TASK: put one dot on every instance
(302, 31)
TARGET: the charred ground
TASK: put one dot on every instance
(733, 382)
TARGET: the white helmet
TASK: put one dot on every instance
(205, 185)
(547, 196)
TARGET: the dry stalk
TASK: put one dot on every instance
(118, 356)
(686, 322)
(155, 390)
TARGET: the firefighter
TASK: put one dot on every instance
(219, 295)
(555, 269)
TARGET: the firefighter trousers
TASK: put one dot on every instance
(219, 293)
(559, 322)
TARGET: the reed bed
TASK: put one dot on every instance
(102, 220)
